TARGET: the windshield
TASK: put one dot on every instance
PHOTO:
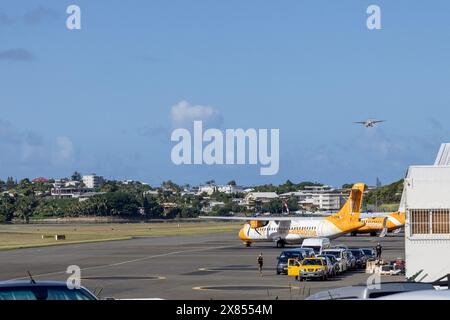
(356, 253)
(336, 254)
(312, 262)
(290, 255)
(43, 293)
(367, 251)
(315, 248)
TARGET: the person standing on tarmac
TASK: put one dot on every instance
(260, 261)
(378, 250)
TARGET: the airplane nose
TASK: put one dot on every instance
(242, 235)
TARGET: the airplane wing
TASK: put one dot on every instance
(252, 218)
(377, 121)
(360, 122)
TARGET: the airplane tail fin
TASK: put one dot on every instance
(351, 209)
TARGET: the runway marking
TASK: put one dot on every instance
(125, 262)
(245, 287)
(144, 278)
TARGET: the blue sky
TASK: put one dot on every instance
(99, 99)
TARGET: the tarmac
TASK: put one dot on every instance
(193, 267)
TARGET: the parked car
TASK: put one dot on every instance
(315, 268)
(389, 270)
(361, 258)
(341, 246)
(330, 267)
(351, 261)
(308, 252)
(369, 253)
(42, 290)
(340, 255)
(282, 259)
(334, 262)
(317, 244)
(362, 291)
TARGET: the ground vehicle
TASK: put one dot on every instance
(282, 259)
(42, 290)
(309, 252)
(317, 244)
(369, 253)
(361, 259)
(429, 294)
(389, 270)
(368, 292)
(315, 268)
(351, 260)
(340, 255)
(293, 268)
(334, 263)
(341, 246)
(330, 267)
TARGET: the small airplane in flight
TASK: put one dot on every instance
(292, 230)
(369, 123)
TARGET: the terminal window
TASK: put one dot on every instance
(430, 221)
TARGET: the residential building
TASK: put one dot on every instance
(230, 189)
(93, 181)
(323, 198)
(208, 189)
(151, 193)
(252, 197)
(62, 192)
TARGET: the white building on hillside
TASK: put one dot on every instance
(329, 201)
(260, 196)
(324, 198)
(208, 189)
(93, 181)
(230, 189)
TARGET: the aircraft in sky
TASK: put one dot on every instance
(369, 123)
(292, 230)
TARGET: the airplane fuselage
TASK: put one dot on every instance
(294, 231)
(394, 221)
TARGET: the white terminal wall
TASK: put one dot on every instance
(427, 187)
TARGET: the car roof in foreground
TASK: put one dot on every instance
(430, 294)
(28, 283)
(358, 291)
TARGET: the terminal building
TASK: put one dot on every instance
(426, 198)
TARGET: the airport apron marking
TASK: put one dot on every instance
(125, 262)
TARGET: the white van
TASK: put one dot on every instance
(317, 244)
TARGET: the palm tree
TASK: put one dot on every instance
(25, 207)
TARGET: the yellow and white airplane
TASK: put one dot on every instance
(287, 230)
(383, 224)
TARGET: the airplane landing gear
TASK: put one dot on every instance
(280, 243)
(373, 234)
(247, 244)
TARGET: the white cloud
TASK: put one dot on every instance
(183, 114)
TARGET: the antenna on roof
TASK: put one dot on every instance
(31, 277)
